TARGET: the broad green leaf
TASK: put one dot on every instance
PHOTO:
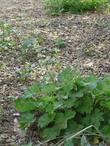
(34, 90)
(106, 104)
(45, 119)
(78, 94)
(66, 80)
(26, 104)
(104, 86)
(51, 133)
(94, 118)
(69, 114)
(48, 89)
(61, 119)
(50, 108)
(46, 103)
(91, 82)
(69, 143)
(26, 119)
(58, 104)
(73, 127)
(47, 99)
(84, 105)
(69, 103)
(106, 131)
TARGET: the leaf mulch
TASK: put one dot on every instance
(87, 39)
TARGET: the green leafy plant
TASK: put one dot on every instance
(30, 45)
(2, 66)
(7, 40)
(67, 103)
(59, 43)
(25, 72)
(55, 6)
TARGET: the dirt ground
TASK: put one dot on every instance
(87, 39)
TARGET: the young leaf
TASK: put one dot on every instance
(66, 79)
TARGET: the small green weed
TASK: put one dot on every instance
(6, 37)
(2, 66)
(75, 6)
(24, 73)
(59, 43)
(28, 45)
(67, 103)
(31, 45)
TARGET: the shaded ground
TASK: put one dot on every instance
(87, 39)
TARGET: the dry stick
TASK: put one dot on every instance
(73, 136)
